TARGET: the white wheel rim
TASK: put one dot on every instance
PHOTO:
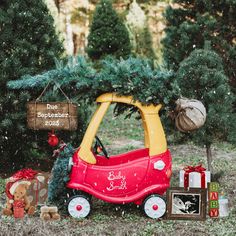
(79, 207)
(155, 207)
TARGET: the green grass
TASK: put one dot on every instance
(227, 147)
(113, 127)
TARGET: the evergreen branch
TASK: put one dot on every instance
(133, 77)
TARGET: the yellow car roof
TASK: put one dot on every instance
(154, 136)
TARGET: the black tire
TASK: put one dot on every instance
(74, 192)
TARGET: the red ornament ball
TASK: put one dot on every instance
(52, 140)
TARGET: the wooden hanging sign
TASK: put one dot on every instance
(52, 115)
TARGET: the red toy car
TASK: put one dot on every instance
(140, 176)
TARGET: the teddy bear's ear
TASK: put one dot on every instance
(27, 185)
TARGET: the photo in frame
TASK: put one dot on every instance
(186, 204)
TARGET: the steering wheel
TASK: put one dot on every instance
(98, 144)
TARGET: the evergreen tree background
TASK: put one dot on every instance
(196, 21)
(144, 44)
(201, 76)
(140, 36)
(29, 45)
(108, 35)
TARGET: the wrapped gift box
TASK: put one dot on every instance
(194, 179)
(38, 190)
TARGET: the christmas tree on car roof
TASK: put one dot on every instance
(132, 77)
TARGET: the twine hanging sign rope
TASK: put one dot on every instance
(52, 115)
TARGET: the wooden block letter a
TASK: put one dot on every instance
(213, 195)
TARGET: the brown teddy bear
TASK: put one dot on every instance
(49, 213)
(17, 200)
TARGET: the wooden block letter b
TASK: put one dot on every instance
(214, 204)
(214, 187)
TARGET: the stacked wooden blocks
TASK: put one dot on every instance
(213, 199)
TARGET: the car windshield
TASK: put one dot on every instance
(121, 134)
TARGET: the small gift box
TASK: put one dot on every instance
(194, 177)
(38, 190)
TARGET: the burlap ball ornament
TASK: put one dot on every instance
(190, 114)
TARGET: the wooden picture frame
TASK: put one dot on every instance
(186, 204)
